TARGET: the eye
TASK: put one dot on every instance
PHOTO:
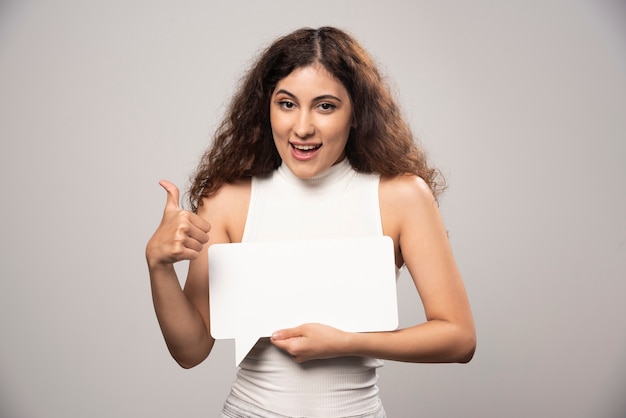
(326, 107)
(286, 104)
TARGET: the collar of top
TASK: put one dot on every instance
(325, 179)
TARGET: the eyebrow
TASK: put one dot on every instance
(322, 97)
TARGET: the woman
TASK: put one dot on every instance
(313, 146)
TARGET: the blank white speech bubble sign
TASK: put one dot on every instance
(256, 288)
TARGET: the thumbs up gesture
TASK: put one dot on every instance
(181, 234)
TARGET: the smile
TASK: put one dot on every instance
(306, 148)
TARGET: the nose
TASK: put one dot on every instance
(304, 125)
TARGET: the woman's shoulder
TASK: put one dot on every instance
(408, 207)
(229, 192)
(228, 208)
(405, 189)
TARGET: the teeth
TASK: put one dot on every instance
(305, 147)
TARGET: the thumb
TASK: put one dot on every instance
(173, 195)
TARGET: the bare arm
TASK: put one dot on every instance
(411, 217)
(183, 314)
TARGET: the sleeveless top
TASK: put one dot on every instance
(339, 203)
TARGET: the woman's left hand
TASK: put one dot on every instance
(311, 341)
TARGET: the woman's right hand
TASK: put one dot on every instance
(181, 234)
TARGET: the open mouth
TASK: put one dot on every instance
(306, 148)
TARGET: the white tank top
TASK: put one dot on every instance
(339, 203)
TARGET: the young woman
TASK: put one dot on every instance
(313, 146)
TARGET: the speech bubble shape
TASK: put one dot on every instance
(256, 288)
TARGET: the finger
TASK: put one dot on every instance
(285, 334)
(198, 234)
(200, 223)
(291, 347)
(192, 225)
(183, 252)
(173, 195)
(193, 244)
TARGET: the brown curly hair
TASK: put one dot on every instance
(381, 141)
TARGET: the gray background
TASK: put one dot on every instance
(521, 103)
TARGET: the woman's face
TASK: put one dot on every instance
(311, 116)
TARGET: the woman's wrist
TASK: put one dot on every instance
(158, 267)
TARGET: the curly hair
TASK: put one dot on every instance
(381, 141)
